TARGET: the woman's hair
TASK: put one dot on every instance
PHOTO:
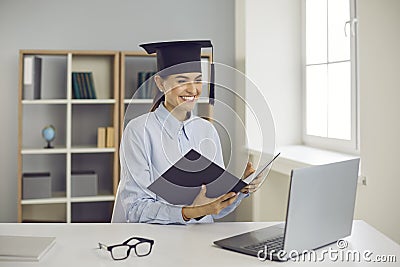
(158, 99)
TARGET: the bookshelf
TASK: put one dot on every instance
(133, 62)
(75, 146)
(76, 121)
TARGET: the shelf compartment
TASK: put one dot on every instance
(52, 200)
(134, 65)
(93, 150)
(55, 164)
(86, 119)
(98, 198)
(53, 76)
(101, 164)
(93, 101)
(138, 101)
(43, 115)
(45, 102)
(32, 151)
(46, 213)
(99, 212)
(102, 68)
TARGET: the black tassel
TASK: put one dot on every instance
(212, 85)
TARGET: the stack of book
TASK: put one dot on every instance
(105, 137)
(83, 85)
(146, 85)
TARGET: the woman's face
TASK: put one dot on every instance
(181, 91)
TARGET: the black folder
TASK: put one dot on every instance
(181, 183)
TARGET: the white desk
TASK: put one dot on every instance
(174, 245)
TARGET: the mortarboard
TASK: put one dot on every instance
(172, 55)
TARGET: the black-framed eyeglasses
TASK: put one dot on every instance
(142, 247)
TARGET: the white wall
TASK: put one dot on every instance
(273, 61)
(94, 24)
(379, 57)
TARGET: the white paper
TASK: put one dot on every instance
(262, 168)
(28, 70)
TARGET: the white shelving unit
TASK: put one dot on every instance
(76, 122)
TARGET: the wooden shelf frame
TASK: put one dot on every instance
(68, 150)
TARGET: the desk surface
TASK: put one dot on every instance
(176, 245)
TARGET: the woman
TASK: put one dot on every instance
(151, 143)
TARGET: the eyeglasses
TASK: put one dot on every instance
(141, 245)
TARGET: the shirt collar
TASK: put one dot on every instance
(171, 124)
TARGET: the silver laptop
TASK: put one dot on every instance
(319, 212)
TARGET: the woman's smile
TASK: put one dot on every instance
(190, 98)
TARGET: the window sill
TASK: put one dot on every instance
(298, 156)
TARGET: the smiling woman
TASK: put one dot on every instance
(153, 142)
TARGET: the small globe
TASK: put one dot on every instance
(49, 134)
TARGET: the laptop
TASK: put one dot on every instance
(319, 212)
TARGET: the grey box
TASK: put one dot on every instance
(36, 185)
(84, 184)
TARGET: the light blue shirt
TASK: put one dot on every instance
(150, 145)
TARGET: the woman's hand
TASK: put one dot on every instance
(201, 198)
(253, 185)
(206, 206)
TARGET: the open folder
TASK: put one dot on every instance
(181, 183)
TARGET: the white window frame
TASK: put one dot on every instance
(347, 146)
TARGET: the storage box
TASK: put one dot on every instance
(84, 184)
(36, 185)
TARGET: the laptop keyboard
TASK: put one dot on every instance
(272, 244)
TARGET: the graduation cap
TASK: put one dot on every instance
(171, 57)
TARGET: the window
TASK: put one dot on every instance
(330, 75)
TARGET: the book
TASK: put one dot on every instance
(101, 137)
(140, 80)
(87, 85)
(110, 137)
(145, 85)
(80, 85)
(181, 183)
(83, 85)
(92, 88)
(32, 78)
(75, 86)
(151, 86)
(24, 248)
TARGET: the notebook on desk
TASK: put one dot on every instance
(24, 248)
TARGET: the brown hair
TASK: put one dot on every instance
(158, 99)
